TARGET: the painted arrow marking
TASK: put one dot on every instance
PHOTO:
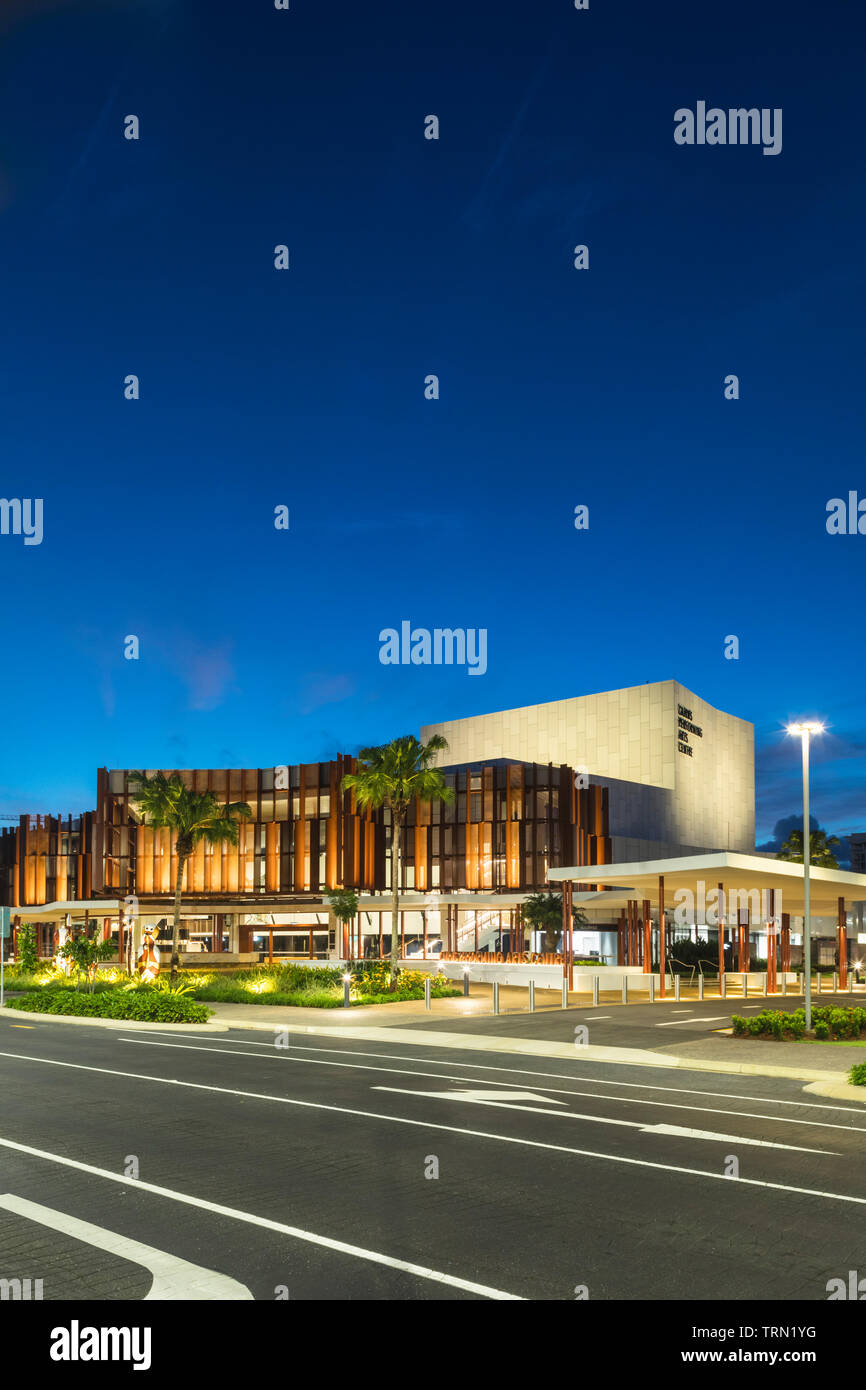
(680, 1132)
(173, 1278)
(481, 1096)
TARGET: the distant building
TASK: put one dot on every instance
(858, 853)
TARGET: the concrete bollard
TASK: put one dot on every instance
(652, 989)
(595, 991)
(564, 992)
(784, 982)
(745, 979)
(496, 996)
(676, 987)
(835, 982)
(723, 986)
(532, 996)
(850, 981)
(427, 993)
(700, 986)
(625, 989)
(466, 982)
(765, 978)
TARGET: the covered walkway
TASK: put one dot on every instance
(735, 894)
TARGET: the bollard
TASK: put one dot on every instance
(496, 996)
(784, 982)
(652, 989)
(850, 981)
(765, 978)
(595, 991)
(835, 982)
(347, 985)
(676, 987)
(427, 993)
(564, 992)
(625, 989)
(745, 979)
(700, 986)
(532, 996)
(723, 986)
(466, 982)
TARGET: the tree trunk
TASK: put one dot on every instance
(175, 931)
(396, 860)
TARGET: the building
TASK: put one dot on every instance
(627, 775)
(680, 773)
(858, 853)
(466, 866)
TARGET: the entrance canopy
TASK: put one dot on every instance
(735, 872)
(55, 912)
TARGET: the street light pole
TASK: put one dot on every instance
(805, 732)
(807, 905)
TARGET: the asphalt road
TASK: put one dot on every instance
(610, 1024)
(338, 1169)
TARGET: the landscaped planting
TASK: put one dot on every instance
(829, 1025)
(286, 983)
(149, 1005)
(314, 987)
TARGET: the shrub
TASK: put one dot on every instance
(857, 1074)
(28, 954)
(822, 1031)
(144, 1004)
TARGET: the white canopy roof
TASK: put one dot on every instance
(736, 872)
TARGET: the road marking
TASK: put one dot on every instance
(599, 1017)
(525, 1071)
(420, 1271)
(173, 1278)
(476, 1098)
(714, 1018)
(187, 1200)
(283, 1056)
(22, 1025)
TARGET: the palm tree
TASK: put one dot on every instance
(543, 912)
(394, 775)
(821, 849)
(344, 905)
(165, 803)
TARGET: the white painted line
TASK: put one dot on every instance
(420, 1271)
(420, 1124)
(173, 1278)
(714, 1018)
(526, 1071)
(475, 1098)
(552, 1090)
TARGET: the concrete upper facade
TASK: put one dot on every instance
(664, 798)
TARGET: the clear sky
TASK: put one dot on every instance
(409, 256)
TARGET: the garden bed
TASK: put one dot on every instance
(145, 1005)
(828, 1025)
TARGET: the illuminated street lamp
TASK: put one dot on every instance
(805, 732)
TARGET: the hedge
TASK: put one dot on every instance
(157, 1006)
(829, 1024)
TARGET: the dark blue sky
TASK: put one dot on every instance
(409, 257)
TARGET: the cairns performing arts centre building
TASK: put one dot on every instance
(648, 773)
